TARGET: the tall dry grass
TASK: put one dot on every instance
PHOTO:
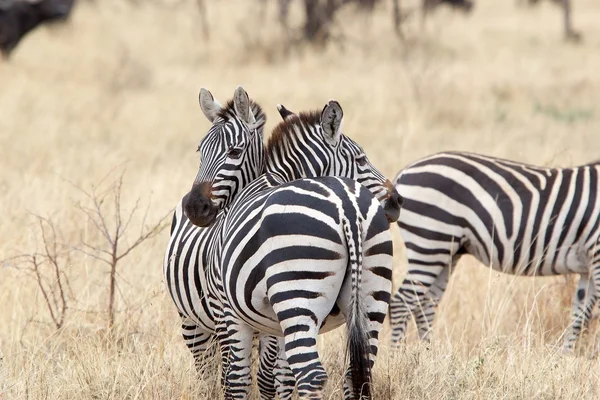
(116, 90)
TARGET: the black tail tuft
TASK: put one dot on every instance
(358, 348)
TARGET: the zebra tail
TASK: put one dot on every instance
(358, 346)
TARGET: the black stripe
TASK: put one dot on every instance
(297, 276)
(384, 272)
(386, 247)
(292, 294)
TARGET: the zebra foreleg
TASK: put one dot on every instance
(284, 377)
(583, 305)
(410, 298)
(199, 342)
(411, 295)
(424, 314)
(267, 351)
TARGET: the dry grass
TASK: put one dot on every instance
(117, 89)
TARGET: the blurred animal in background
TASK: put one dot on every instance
(427, 7)
(18, 17)
(319, 16)
(461, 5)
(570, 34)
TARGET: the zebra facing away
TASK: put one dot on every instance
(301, 256)
(236, 136)
(517, 218)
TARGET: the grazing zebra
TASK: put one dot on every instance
(235, 138)
(301, 256)
(517, 218)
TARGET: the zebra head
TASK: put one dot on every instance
(231, 155)
(312, 144)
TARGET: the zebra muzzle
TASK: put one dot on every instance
(199, 207)
(393, 205)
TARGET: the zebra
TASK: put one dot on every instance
(517, 218)
(237, 137)
(281, 221)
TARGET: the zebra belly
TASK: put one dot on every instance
(568, 259)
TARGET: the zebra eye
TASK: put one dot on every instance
(361, 160)
(234, 152)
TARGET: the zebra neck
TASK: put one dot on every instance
(284, 172)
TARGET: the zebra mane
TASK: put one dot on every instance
(228, 110)
(286, 128)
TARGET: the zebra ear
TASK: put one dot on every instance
(210, 107)
(284, 112)
(331, 122)
(241, 104)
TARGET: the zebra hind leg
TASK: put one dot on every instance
(302, 356)
(267, 351)
(583, 305)
(284, 377)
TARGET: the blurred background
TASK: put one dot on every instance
(99, 121)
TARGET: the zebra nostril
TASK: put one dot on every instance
(397, 199)
(204, 207)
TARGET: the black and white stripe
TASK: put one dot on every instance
(302, 256)
(517, 218)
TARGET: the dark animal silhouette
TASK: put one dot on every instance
(18, 17)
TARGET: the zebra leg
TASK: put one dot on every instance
(240, 341)
(198, 342)
(267, 351)
(284, 377)
(424, 314)
(223, 341)
(300, 344)
(583, 305)
(411, 295)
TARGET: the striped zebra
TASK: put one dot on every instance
(302, 256)
(517, 218)
(235, 140)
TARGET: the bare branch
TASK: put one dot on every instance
(108, 221)
(154, 230)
